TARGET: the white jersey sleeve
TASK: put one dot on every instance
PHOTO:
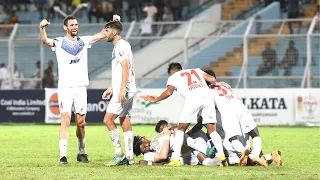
(56, 41)
(122, 52)
(171, 81)
(87, 41)
(149, 156)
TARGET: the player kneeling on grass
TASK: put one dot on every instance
(158, 150)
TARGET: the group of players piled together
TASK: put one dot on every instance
(215, 106)
(228, 122)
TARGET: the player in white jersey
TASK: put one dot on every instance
(122, 89)
(160, 148)
(72, 56)
(236, 120)
(190, 83)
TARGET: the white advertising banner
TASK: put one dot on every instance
(269, 106)
(146, 112)
(307, 106)
(52, 106)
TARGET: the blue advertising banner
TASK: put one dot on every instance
(97, 107)
(25, 106)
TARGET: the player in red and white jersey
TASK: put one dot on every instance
(72, 56)
(236, 121)
(123, 88)
(191, 84)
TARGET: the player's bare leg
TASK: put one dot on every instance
(80, 132)
(119, 156)
(128, 138)
(178, 141)
(63, 136)
(216, 140)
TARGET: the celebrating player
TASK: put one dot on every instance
(72, 56)
(225, 100)
(191, 85)
(122, 89)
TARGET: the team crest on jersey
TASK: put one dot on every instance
(72, 48)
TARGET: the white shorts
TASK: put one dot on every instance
(73, 99)
(204, 106)
(121, 109)
(247, 122)
(231, 125)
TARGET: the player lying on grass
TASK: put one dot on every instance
(159, 149)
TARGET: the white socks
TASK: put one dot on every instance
(82, 146)
(237, 145)
(216, 139)
(128, 143)
(178, 141)
(115, 138)
(211, 162)
(63, 145)
(257, 146)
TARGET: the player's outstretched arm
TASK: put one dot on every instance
(163, 154)
(210, 78)
(43, 35)
(99, 36)
(167, 93)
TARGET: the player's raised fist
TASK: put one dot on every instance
(44, 23)
(116, 18)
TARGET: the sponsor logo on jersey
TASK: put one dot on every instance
(74, 61)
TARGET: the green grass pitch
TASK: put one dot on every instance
(31, 152)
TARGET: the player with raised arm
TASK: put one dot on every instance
(122, 89)
(190, 83)
(72, 56)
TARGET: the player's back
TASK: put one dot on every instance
(225, 98)
(190, 83)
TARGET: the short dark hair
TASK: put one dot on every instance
(174, 65)
(211, 73)
(2, 65)
(65, 21)
(159, 124)
(114, 25)
(136, 145)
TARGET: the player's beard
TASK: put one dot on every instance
(73, 34)
(111, 38)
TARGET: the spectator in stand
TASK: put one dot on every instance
(4, 77)
(145, 28)
(18, 78)
(293, 13)
(167, 16)
(290, 59)
(185, 9)
(176, 9)
(137, 6)
(126, 11)
(41, 5)
(13, 18)
(36, 74)
(268, 60)
(117, 6)
(95, 10)
(49, 76)
(51, 12)
(151, 11)
(159, 4)
(109, 12)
